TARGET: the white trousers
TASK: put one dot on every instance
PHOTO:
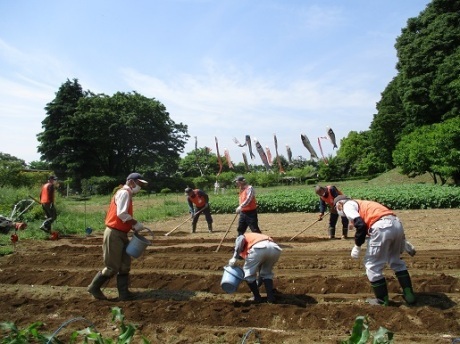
(384, 246)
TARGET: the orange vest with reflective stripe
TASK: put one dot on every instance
(371, 211)
(112, 220)
(252, 204)
(198, 200)
(251, 240)
(47, 193)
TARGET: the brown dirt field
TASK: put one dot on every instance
(320, 289)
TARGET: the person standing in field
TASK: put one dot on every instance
(47, 198)
(198, 202)
(386, 242)
(247, 207)
(119, 222)
(326, 200)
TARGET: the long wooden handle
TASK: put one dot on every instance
(303, 230)
(220, 244)
(188, 219)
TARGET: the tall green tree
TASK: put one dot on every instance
(127, 132)
(385, 129)
(433, 149)
(425, 49)
(426, 89)
(56, 142)
(87, 135)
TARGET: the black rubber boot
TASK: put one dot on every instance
(406, 285)
(123, 288)
(193, 227)
(210, 227)
(95, 287)
(269, 289)
(255, 291)
(381, 291)
(345, 233)
(331, 232)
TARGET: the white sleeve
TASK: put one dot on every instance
(122, 201)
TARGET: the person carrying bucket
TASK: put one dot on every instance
(260, 253)
(119, 222)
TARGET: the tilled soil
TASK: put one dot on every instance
(320, 289)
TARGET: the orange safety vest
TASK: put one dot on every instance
(198, 200)
(47, 193)
(371, 211)
(252, 204)
(113, 221)
(251, 240)
(330, 199)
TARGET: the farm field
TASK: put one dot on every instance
(320, 288)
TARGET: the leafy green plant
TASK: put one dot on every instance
(31, 334)
(361, 334)
(12, 334)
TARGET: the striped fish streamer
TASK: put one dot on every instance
(245, 159)
(262, 154)
(278, 160)
(307, 144)
(227, 156)
(321, 149)
(269, 155)
(247, 143)
(219, 160)
(289, 153)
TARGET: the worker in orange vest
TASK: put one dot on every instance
(47, 197)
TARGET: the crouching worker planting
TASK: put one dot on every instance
(260, 253)
(386, 242)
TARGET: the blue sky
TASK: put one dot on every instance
(226, 68)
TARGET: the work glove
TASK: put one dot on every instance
(138, 226)
(410, 249)
(355, 252)
(232, 261)
(238, 210)
(320, 217)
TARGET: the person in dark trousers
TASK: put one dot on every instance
(386, 242)
(198, 202)
(326, 200)
(260, 254)
(47, 198)
(119, 222)
(247, 207)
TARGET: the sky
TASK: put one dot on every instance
(225, 68)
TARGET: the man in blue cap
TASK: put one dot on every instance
(119, 222)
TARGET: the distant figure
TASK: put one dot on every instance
(385, 244)
(216, 187)
(198, 202)
(326, 199)
(247, 207)
(260, 253)
(47, 197)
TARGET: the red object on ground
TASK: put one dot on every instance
(14, 238)
(54, 235)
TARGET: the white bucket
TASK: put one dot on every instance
(231, 279)
(137, 245)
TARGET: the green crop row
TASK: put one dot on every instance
(305, 200)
